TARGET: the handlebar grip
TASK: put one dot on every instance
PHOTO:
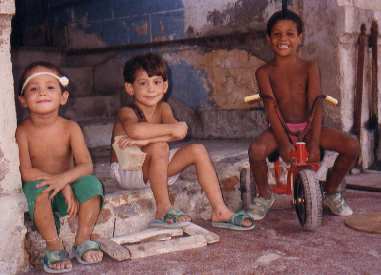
(252, 98)
(331, 100)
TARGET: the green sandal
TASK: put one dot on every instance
(169, 220)
(79, 250)
(53, 257)
(236, 222)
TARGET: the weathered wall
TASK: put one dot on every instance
(193, 33)
(12, 255)
(320, 44)
(351, 14)
(92, 23)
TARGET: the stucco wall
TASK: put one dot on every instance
(12, 255)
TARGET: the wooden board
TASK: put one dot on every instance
(114, 250)
(370, 222)
(193, 229)
(158, 247)
(149, 234)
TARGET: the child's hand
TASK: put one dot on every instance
(55, 184)
(126, 141)
(285, 152)
(180, 130)
(313, 153)
(71, 201)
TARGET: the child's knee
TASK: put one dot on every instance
(160, 150)
(257, 151)
(352, 147)
(42, 198)
(198, 150)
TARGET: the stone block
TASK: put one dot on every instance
(92, 108)
(167, 26)
(7, 7)
(12, 254)
(108, 77)
(23, 57)
(98, 134)
(231, 123)
(81, 81)
(133, 210)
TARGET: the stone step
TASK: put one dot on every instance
(126, 212)
(97, 132)
(92, 108)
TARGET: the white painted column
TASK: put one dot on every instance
(12, 202)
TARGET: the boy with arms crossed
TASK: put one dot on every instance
(55, 166)
(150, 124)
(289, 87)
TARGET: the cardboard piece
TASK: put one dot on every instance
(131, 158)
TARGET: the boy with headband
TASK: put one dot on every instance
(56, 168)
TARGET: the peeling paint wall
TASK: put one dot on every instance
(223, 77)
(89, 23)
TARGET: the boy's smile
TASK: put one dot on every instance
(147, 90)
(284, 38)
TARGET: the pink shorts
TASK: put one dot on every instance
(295, 129)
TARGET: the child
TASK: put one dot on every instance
(149, 123)
(55, 167)
(293, 84)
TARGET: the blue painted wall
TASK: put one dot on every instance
(120, 22)
(186, 85)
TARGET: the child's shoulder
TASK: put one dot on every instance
(165, 106)
(68, 124)
(126, 110)
(22, 128)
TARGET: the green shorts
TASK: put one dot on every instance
(84, 189)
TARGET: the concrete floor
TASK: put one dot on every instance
(276, 246)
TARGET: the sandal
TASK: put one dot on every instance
(236, 222)
(79, 250)
(53, 257)
(170, 220)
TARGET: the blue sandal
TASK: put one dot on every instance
(170, 220)
(79, 250)
(53, 257)
(236, 222)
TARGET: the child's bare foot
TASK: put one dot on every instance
(93, 256)
(56, 258)
(173, 218)
(171, 215)
(66, 264)
(88, 252)
(227, 219)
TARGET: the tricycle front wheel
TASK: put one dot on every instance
(308, 199)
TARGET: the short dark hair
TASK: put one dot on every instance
(35, 64)
(152, 63)
(284, 15)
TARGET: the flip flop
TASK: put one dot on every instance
(169, 220)
(79, 250)
(53, 257)
(235, 222)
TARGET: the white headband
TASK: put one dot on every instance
(63, 80)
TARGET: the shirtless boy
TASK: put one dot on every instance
(294, 84)
(150, 124)
(55, 166)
